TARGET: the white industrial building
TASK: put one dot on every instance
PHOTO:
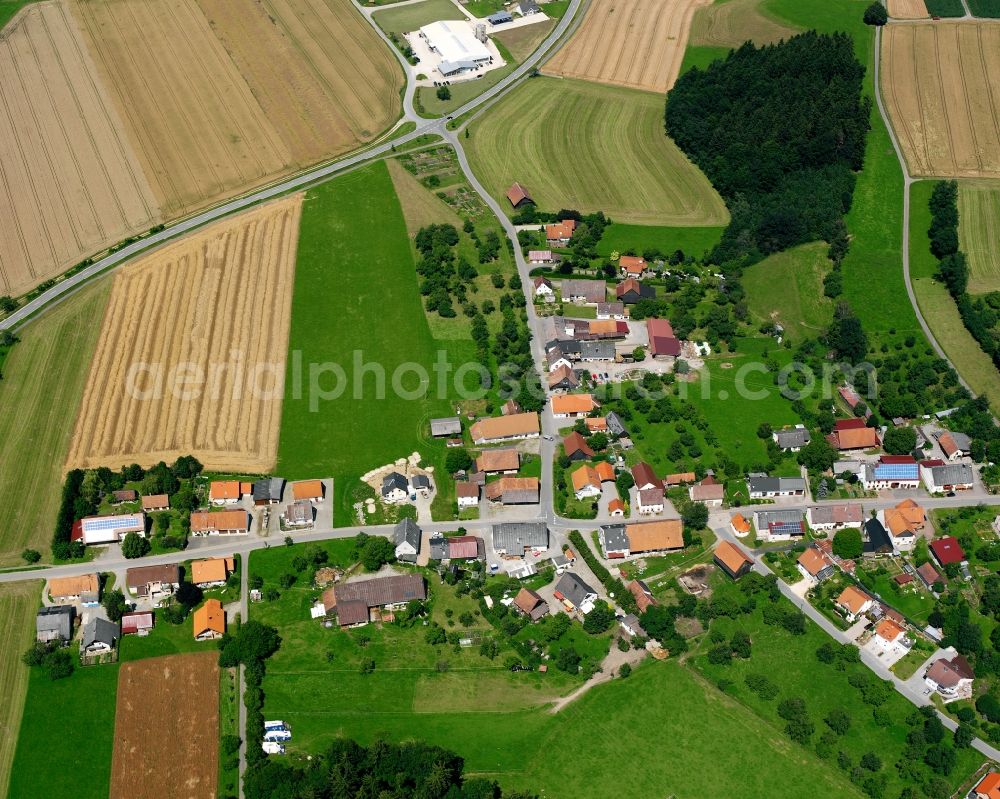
(457, 45)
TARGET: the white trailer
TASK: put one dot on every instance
(277, 735)
(275, 725)
(273, 748)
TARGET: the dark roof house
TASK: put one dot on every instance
(515, 537)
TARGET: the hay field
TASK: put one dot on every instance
(167, 727)
(979, 232)
(220, 97)
(907, 9)
(219, 301)
(43, 378)
(18, 603)
(70, 183)
(731, 22)
(634, 43)
(594, 148)
(937, 81)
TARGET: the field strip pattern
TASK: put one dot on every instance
(590, 147)
(18, 602)
(942, 97)
(69, 183)
(219, 300)
(635, 43)
(979, 232)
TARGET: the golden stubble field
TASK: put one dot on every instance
(191, 357)
(939, 85)
(907, 9)
(119, 114)
(634, 43)
(70, 183)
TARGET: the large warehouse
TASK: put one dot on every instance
(457, 45)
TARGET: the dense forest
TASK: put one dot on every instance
(780, 131)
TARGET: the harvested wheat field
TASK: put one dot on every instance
(213, 308)
(635, 43)
(730, 23)
(938, 81)
(907, 9)
(167, 728)
(220, 96)
(69, 182)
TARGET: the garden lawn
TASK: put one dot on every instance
(40, 392)
(791, 661)
(592, 148)
(18, 604)
(911, 600)
(938, 307)
(79, 710)
(787, 288)
(164, 639)
(619, 237)
(356, 301)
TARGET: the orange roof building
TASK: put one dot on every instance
(733, 560)
(223, 491)
(560, 231)
(655, 536)
(586, 481)
(498, 460)
(504, 428)
(632, 265)
(814, 562)
(605, 471)
(853, 601)
(988, 787)
(226, 522)
(679, 478)
(914, 514)
(616, 507)
(209, 621)
(888, 630)
(603, 327)
(211, 570)
(567, 405)
(597, 425)
(308, 490)
(85, 587)
(518, 195)
(740, 524)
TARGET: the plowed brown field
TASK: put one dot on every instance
(221, 96)
(215, 305)
(636, 43)
(69, 182)
(167, 728)
(938, 81)
(907, 9)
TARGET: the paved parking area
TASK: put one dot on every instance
(886, 653)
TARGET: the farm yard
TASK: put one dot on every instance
(732, 22)
(178, 697)
(209, 291)
(593, 148)
(50, 362)
(979, 232)
(17, 620)
(937, 83)
(629, 43)
(71, 183)
(907, 9)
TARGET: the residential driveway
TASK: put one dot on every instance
(856, 629)
(801, 588)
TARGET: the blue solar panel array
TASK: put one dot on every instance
(110, 523)
(897, 471)
(786, 528)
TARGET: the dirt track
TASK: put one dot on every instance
(167, 728)
(220, 300)
(69, 183)
(629, 43)
(938, 81)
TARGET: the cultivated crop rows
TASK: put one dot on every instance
(219, 301)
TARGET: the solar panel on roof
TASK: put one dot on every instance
(897, 471)
(110, 522)
(791, 528)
